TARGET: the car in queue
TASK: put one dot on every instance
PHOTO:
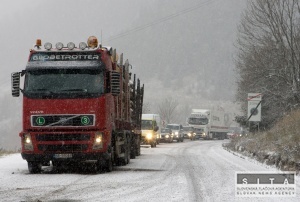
(177, 131)
(166, 135)
(189, 132)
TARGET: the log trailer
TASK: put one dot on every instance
(81, 105)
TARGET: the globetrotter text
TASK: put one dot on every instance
(64, 57)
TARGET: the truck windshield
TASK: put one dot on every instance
(198, 121)
(147, 125)
(64, 83)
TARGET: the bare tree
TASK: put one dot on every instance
(268, 59)
(167, 110)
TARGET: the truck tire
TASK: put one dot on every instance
(133, 151)
(138, 146)
(135, 143)
(152, 144)
(106, 166)
(109, 165)
(126, 159)
(138, 150)
(34, 167)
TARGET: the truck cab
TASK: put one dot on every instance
(150, 129)
(73, 108)
(210, 124)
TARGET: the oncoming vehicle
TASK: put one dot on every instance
(214, 123)
(199, 133)
(189, 132)
(177, 131)
(166, 135)
(150, 129)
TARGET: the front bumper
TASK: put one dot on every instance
(166, 139)
(75, 157)
(147, 141)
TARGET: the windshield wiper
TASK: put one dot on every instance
(76, 90)
(40, 89)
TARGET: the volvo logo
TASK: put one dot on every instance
(63, 120)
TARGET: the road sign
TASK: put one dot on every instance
(254, 106)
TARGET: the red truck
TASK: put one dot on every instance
(81, 107)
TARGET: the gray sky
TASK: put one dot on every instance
(178, 48)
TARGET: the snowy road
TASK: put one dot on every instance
(189, 171)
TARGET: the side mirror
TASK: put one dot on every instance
(156, 128)
(15, 84)
(115, 83)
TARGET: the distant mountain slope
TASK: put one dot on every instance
(190, 53)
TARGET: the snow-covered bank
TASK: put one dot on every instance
(253, 148)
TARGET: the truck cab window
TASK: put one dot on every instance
(64, 83)
(147, 125)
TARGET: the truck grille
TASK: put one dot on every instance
(63, 148)
(62, 120)
(62, 137)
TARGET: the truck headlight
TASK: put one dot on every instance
(176, 133)
(167, 136)
(149, 136)
(98, 142)
(189, 134)
(27, 142)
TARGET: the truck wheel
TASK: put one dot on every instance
(108, 165)
(133, 151)
(34, 167)
(138, 150)
(125, 148)
(152, 144)
(138, 146)
(134, 145)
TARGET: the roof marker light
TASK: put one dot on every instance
(38, 42)
(48, 46)
(82, 45)
(59, 45)
(92, 42)
(71, 45)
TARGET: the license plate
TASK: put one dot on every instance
(62, 156)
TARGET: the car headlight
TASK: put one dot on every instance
(98, 142)
(176, 133)
(189, 134)
(167, 136)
